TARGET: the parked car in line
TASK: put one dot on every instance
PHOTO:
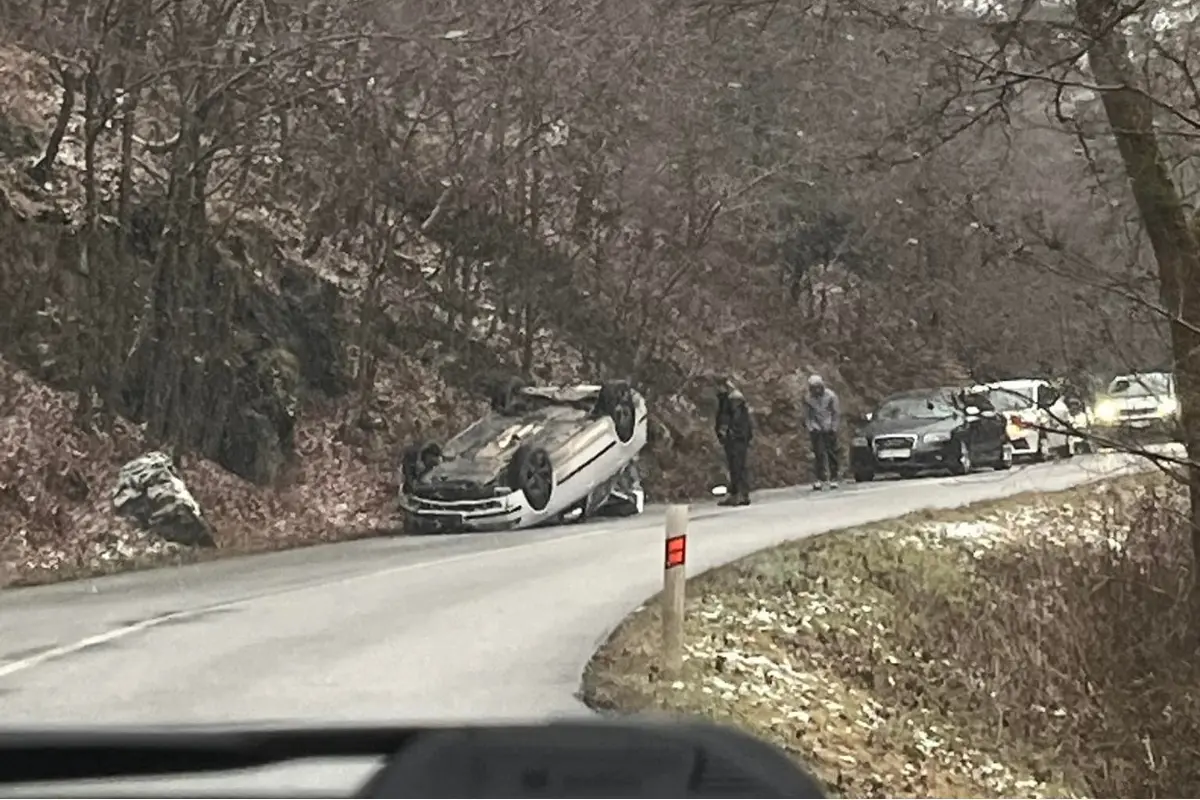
(543, 454)
(944, 429)
(1040, 420)
(1138, 407)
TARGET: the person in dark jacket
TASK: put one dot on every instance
(735, 431)
(823, 418)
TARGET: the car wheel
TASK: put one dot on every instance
(864, 476)
(616, 401)
(1006, 456)
(962, 463)
(532, 473)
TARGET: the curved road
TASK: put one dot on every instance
(481, 627)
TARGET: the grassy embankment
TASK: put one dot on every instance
(1036, 646)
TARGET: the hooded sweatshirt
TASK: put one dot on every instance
(822, 412)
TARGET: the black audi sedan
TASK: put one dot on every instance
(945, 429)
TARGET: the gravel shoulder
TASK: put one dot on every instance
(902, 659)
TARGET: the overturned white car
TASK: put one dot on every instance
(543, 455)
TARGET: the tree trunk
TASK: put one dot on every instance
(40, 172)
(1131, 116)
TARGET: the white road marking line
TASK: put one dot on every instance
(100, 638)
(124, 631)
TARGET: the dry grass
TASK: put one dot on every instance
(1009, 649)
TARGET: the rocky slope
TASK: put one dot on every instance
(310, 424)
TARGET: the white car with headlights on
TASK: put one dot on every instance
(1138, 407)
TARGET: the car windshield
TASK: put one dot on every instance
(930, 407)
(1141, 385)
(1009, 400)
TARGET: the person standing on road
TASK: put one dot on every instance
(735, 431)
(823, 416)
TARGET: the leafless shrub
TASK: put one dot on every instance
(1074, 646)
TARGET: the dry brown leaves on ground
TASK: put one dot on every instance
(56, 480)
(1030, 648)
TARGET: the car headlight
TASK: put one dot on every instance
(1168, 407)
(1107, 411)
(858, 441)
(934, 438)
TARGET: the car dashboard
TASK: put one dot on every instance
(576, 758)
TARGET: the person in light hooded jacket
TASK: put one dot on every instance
(823, 418)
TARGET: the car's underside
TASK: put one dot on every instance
(500, 472)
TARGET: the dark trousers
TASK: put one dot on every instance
(825, 454)
(736, 458)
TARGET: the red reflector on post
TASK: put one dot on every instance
(676, 551)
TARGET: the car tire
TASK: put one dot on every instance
(531, 472)
(962, 466)
(863, 476)
(616, 402)
(1006, 457)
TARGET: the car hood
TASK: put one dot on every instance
(917, 427)
(1132, 400)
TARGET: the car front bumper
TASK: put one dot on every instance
(424, 515)
(868, 456)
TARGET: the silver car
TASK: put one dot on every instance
(542, 455)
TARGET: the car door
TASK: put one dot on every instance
(1052, 413)
(995, 428)
(984, 429)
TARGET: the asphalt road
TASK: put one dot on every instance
(481, 627)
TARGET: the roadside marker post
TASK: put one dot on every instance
(674, 583)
